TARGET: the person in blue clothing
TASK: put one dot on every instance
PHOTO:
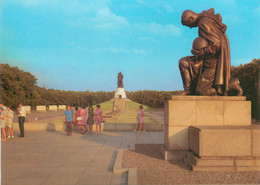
(69, 117)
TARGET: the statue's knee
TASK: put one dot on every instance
(184, 62)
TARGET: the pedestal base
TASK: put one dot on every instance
(120, 93)
(223, 148)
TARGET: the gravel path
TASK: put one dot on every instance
(152, 169)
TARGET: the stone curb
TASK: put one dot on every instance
(132, 172)
(121, 127)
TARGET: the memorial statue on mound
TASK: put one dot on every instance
(120, 80)
(207, 72)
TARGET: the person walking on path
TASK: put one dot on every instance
(9, 123)
(21, 118)
(90, 120)
(3, 123)
(69, 117)
(98, 119)
(77, 114)
(141, 110)
(82, 121)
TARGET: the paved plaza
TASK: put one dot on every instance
(53, 158)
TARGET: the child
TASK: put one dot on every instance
(3, 124)
(9, 123)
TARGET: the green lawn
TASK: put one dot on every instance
(129, 116)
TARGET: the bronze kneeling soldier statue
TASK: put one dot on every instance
(207, 72)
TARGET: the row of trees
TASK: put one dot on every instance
(20, 86)
(248, 75)
(151, 98)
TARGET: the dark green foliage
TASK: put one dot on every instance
(18, 86)
(151, 98)
(248, 75)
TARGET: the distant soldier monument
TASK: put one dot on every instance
(204, 127)
(120, 91)
(120, 95)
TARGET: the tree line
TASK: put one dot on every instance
(20, 86)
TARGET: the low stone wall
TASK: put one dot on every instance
(53, 108)
(27, 109)
(41, 108)
(62, 107)
(29, 126)
(131, 126)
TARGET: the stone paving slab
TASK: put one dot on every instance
(44, 158)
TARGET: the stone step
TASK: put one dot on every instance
(247, 162)
(212, 162)
(248, 168)
(213, 168)
(120, 179)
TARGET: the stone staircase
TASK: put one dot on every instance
(221, 164)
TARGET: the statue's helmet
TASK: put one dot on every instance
(200, 43)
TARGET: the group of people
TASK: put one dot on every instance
(83, 120)
(79, 117)
(6, 121)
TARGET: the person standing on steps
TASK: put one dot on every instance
(69, 117)
(98, 119)
(21, 118)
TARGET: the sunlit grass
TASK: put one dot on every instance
(129, 116)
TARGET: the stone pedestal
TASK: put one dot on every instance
(224, 148)
(181, 112)
(120, 93)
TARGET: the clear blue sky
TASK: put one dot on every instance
(83, 44)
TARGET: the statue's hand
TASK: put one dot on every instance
(198, 52)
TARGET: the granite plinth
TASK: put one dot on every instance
(181, 112)
(184, 111)
(221, 141)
